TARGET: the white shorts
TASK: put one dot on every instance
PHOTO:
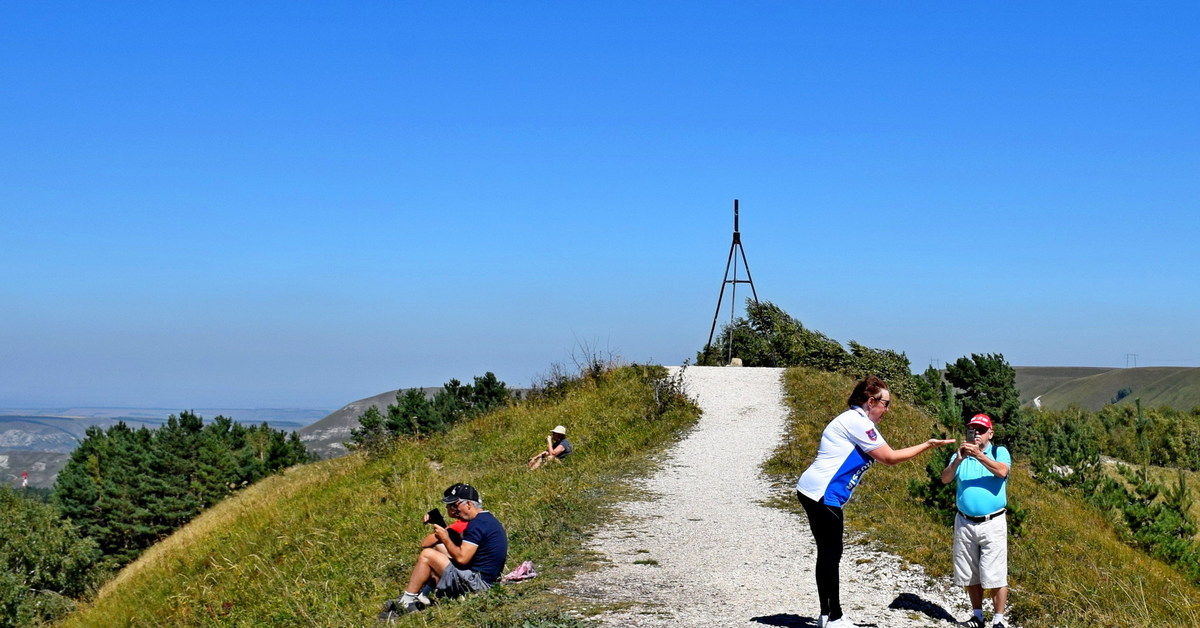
(981, 552)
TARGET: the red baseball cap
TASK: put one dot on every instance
(982, 420)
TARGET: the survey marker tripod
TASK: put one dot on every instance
(735, 247)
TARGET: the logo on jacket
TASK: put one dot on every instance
(871, 434)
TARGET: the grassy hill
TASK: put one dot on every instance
(325, 544)
(1092, 388)
(1067, 567)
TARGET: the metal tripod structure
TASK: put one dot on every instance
(736, 247)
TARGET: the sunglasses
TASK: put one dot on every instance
(887, 403)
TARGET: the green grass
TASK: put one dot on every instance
(1067, 569)
(1092, 388)
(325, 544)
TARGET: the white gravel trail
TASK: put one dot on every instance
(702, 550)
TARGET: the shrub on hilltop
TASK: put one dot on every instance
(769, 336)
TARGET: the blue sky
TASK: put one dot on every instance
(303, 204)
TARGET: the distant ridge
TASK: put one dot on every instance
(278, 418)
(1092, 388)
(39, 441)
(325, 438)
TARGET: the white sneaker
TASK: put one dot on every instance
(822, 621)
(841, 622)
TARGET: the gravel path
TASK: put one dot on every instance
(702, 550)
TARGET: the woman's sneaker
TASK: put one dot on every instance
(841, 622)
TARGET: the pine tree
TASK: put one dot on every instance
(171, 471)
(487, 394)
(128, 489)
(371, 434)
(988, 385)
(412, 415)
(216, 466)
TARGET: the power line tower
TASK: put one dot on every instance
(736, 247)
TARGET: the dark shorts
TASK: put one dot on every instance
(455, 582)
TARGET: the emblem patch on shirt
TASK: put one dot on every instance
(871, 434)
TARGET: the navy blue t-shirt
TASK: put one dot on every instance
(491, 542)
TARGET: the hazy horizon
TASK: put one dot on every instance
(212, 411)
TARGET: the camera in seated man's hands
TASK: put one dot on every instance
(434, 517)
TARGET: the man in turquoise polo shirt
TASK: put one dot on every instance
(980, 470)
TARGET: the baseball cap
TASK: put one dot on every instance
(460, 492)
(559, 430)
(981, 420)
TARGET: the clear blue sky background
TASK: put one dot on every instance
(302, 204)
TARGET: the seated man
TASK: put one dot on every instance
(455, 530)
(557, 448)
(467, 567)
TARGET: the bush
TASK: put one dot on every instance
(44, 561)
(769, 336)
(1152, 517)
(1065, 453)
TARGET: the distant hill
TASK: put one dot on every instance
(39, 441)
(1092, 388)
(279, 418)
(325, 438)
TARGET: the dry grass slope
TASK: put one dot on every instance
(324, 544)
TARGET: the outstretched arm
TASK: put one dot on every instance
(885, 454)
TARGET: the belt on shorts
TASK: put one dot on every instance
(983, 518)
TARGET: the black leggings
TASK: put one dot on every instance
(827, 525)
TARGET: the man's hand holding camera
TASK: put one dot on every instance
(970, 446)
(443, 536)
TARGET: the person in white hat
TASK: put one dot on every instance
(557, 448)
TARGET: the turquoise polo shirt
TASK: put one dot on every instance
(979, 491)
